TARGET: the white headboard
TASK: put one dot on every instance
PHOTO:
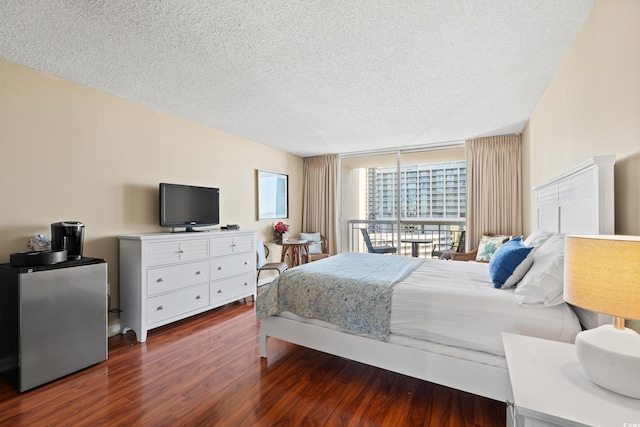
(580, 201)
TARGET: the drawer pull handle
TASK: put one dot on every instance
(220, 268)
(233, 245)
(160, 279)
(160, 308)
(199, 297)
(246, 262)
(180, 251)
(246, 283)
(219, 291)
(198, 272)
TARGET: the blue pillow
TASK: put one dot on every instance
(510, 263)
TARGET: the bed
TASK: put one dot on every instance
(445, 317)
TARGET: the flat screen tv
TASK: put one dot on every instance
(189, 206)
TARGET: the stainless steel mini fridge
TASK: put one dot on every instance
(53, 320)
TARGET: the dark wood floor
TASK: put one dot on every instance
(206, 371)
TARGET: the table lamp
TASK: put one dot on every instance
(602, 274)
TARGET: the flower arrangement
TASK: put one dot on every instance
(280, 227)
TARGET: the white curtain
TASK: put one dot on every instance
(319, 198)
(494, 187)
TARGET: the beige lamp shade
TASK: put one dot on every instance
(602, 273)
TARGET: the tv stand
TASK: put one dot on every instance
(165, 277)
(188, 230)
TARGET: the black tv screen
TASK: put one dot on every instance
(189, 206)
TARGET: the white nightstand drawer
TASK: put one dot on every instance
(232, 265)
(166, 306)
(232, 289)
(165, 279)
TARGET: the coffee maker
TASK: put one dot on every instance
(68, 235)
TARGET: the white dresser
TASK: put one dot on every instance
(165, 277)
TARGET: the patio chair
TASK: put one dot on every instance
(440, 249)
(376, 249)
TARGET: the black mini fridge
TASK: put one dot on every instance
(53, 320)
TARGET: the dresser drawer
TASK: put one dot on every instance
(166, 279)
(223, 267)
(170, 252)
(228, 245)
(232, 289)
(166, 306)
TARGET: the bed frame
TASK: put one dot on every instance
(577, 201)
(580, 201)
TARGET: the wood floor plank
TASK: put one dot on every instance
(206, 371)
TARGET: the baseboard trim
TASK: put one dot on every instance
(114, 328)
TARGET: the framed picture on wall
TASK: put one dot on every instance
(273, 195)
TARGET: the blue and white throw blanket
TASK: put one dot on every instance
(351, 290)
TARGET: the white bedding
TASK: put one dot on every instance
(454, 303)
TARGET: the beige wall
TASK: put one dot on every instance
(592, 107)
(73, 153)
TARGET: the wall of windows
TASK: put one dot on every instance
(393, 194)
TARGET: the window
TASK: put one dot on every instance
(424, 192)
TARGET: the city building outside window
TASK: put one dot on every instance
(427, 191)
(414, 201)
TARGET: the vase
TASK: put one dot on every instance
(280, 237)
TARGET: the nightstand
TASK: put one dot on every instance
(547, 387)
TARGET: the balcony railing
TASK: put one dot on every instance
(385, 232)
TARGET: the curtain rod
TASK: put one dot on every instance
(429, 147)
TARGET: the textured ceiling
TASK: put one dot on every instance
(308, 77)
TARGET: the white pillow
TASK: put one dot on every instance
(316, 248)
(537, 238)
(543, 283)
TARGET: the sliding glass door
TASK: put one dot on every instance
(367, 205)
(433, 197)
(412, 201)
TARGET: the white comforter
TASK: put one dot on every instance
(454, 303)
